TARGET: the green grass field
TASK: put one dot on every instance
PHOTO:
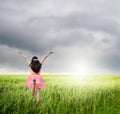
(63, 95)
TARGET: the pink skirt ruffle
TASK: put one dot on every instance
(39, 81)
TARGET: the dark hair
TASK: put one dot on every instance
(35, 64)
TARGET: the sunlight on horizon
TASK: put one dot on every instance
(82, 70)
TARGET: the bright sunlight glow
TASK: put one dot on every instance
(82, 70)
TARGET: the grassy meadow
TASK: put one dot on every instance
(64, 95)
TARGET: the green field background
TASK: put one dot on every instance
(64, 94)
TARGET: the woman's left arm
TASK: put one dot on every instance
(44, 58)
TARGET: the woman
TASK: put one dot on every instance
(35, 81)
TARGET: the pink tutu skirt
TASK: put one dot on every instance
(39, 81)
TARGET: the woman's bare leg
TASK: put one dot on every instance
(38, 95)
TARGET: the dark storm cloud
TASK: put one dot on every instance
(20, 41)
(22, 38)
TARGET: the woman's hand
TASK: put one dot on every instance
(20, 52)
(51, 52)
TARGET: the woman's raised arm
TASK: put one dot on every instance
(44, 58)
(25, 57)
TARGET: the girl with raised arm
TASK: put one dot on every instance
(35, 81)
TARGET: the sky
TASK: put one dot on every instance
(83, 34)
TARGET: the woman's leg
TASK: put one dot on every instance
(38, 95)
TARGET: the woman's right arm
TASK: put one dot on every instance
(25, 57)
